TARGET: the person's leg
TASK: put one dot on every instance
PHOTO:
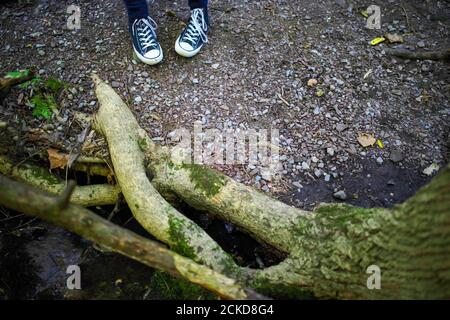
(194, 4)
(137, 9)
(194, 36)
(143, 32)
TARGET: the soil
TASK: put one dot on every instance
(253, 74)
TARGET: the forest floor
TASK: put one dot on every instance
(253, 74)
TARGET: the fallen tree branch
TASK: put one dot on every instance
(117, 124)
(419, 55)
(20, 197)
(7, 83)
(90, 195)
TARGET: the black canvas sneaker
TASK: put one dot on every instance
(145, 43)
(193, 37)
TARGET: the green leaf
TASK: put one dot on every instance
(17, 74)
(42, 105)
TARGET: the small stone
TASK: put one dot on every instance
(297, 184)
(314, 159)
(327, 177)
(380, 160)
(391, 182)
(316, 110)
(266, 175)
(48, 126)
(215, 66)
(396, 156)
(421, 44)
(318, 173)
(340, 127)
(41, 52)
(116, 84)
(341, 195)
(138, 99)
(330, 151)
(305, 166)
(195, 81)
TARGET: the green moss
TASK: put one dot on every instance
(142, 143)
(43, 174)
(281, 291)
(342, 214)
(207, 180)
(166, 287)
(229, 266)
(177, 236)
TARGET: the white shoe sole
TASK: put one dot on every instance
(148, 61)
(185, 53)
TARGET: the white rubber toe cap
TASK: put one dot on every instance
(184, 49)
(152, 57)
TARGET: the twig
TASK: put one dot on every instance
(419, 55)
(407, 19)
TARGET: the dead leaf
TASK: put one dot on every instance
(57, 159)
(312, 82)
(366, 139)
(431, 169)
(394, 38)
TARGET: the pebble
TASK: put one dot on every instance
(305, 166)
(379, 160)
(340, 127)
(341, 195)
(138, 99)
(421, 44)
(330, 151)
(297, 184)
(396, 156)
(327, 177)
(48, 126)
(195, 81)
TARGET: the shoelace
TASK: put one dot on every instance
(145, 28)
(196, 29)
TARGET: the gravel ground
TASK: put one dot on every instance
(254, 74)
